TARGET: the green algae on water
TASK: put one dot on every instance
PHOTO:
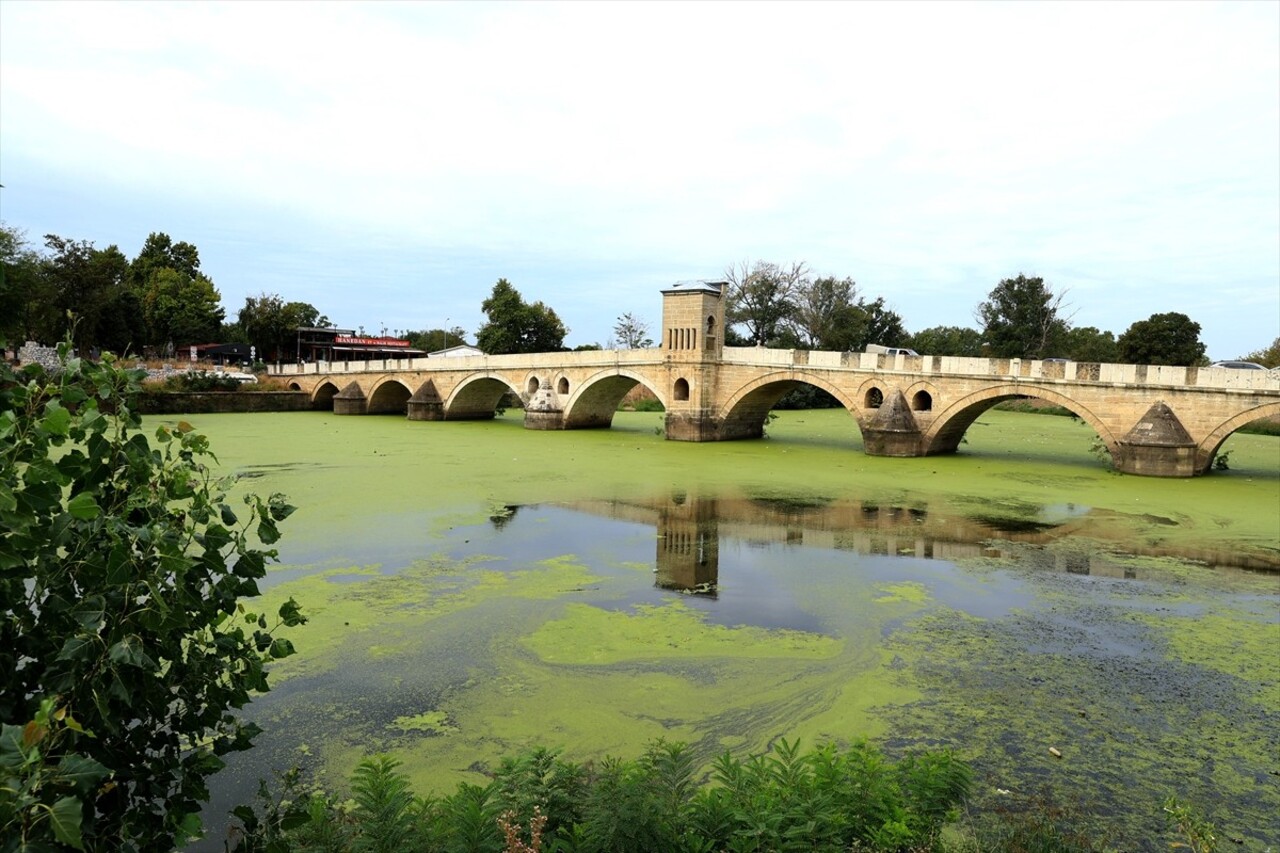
(429, 640)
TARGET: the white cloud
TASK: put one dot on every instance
(921, 148)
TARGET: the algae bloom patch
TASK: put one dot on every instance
(591, 635)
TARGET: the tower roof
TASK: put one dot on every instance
(697, 286)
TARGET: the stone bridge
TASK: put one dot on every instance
(1155, 420)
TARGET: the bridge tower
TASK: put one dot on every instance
(692, 345)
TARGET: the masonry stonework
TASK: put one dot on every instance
(1156, 420)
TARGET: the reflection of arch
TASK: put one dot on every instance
(1208, 449)
(743, 416)
(922, 401)
(322, 397)
(476, 398)
(562, 387)
(950, 425)
(681, 389)
(599, 396)
(391, 396)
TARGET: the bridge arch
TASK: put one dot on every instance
(744, 414)
(322, 396)
(922, 396)
(950, 424)
(476, 397)
(597, 397)
(1208, 449)
(390, 396)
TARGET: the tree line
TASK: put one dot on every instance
(162, 300)
(787, 306)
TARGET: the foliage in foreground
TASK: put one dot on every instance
(123, 644)
(787, 800)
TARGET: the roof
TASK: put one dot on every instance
(460, 349)
(698, 286)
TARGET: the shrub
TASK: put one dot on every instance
(124, 646)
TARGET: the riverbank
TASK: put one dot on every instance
(153, 402)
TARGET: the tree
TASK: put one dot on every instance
(27, 309)
(879, 324)
(1021, 318)
(824, 312)
(947, 340)
(1269, 357)
(762, 298)
(515, 326)
(160, 252)
(125, 646)
(270, 324)
(181, 309)
(632, 333)
(86, 282)
(437, 339)
(179, 303)
(1086, 343)
(1171, 338)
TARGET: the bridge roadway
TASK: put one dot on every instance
(1155, 420)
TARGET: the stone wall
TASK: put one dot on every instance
(215, 402)
(46, 357)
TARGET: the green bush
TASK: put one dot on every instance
(124, 646)
(822, 800)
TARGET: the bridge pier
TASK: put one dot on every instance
(425, 404)
(351, 400)
(699, 426)
(1157, 446)
(893, 430)
(544, 410)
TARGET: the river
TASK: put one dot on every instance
(476, 588)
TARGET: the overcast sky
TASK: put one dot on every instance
(389, 162)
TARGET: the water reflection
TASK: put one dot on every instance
(691, 531)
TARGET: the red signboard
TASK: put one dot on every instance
(377, 342)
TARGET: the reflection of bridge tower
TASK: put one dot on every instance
(692, 345)
(688, 545)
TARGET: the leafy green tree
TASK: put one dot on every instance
(947, 340)
(88, 283)
(432, 340)
(125, 646)
(880, 325)
(1269, 357)
(181, 309)
(825, 313)
(180, 304)
(1171, 338)
(27, 310)
(1086, 343)
(160, 252)
(514, 326)
(631, 332)
(270, 324)
(762, 299)
(1022, 318)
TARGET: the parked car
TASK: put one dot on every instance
(879, 350)
(1238, 365)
